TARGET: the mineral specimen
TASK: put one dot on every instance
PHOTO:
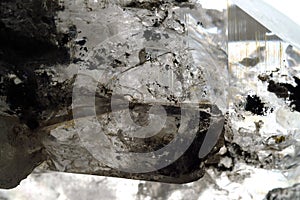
(139, 98)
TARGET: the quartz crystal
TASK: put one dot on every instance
(143, 97)
(149, 90)
(143, 93)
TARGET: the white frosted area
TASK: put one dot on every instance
(64, 186)
(213, 4)
(288, 7)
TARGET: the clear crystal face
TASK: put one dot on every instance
(168, 55)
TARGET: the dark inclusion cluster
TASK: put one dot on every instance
(29, 42)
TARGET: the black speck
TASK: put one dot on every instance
(254, 105)
(279, 89)
(263, 77)
(81, 42)
(200, 24)
(127, 55)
